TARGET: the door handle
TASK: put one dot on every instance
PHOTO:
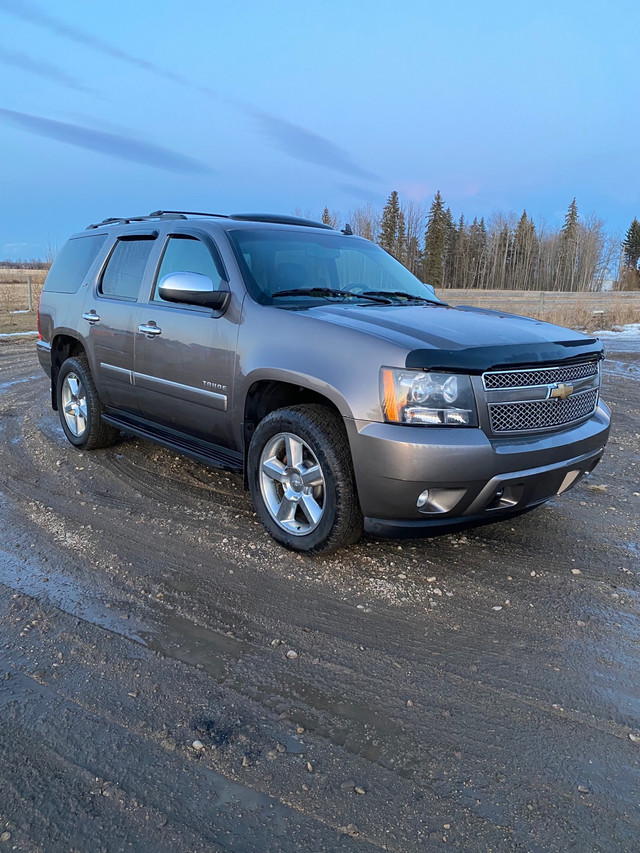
(149, 329)
(91, 317)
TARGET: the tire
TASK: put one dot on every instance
(311, 505)
(80, 408)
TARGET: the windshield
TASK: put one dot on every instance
(311, 266)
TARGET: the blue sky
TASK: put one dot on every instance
(121, 108)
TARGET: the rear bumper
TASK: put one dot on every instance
(470, 477)
(44, 356)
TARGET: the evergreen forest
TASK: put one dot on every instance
(504, 252)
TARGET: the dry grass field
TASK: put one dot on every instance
(584, 311)
(15, 315)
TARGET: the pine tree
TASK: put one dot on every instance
(631, 246)
(330, 217)
(435, 242)
(570, 227)
(569, 249)
(393, 229)
(388, 236)
(477, 253)
(525, 244)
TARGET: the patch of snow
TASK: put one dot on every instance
(16, 334)
(21, 311)
(631, 330)
(11, 383)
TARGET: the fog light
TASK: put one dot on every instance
(436, 501)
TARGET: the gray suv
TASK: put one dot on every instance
(349, 395)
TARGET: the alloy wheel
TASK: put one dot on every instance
(74, 404)
(292, 484)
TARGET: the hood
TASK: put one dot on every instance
(473, 340)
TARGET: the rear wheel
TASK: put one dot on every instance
(80, 408)
(301, 479)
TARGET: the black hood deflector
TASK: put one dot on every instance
(476, 360)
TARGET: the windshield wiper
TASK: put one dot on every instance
(400, 294)
(332, 291)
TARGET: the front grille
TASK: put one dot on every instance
(541, 414)
(538, 376)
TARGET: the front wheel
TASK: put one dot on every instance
(80, 408)
(301, 479)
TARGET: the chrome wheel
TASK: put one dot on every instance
(74, 404)
(292, 484)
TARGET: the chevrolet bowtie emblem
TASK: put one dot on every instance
(560, 391)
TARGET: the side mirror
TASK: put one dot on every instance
(192, 288)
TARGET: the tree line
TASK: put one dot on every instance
(503, 252)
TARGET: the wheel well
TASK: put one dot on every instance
(62, 348)
(268, 395)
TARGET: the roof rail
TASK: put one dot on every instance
(125, 220)
(187, 213)
(275, 218)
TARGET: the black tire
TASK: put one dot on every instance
(85, 429)
(322, 435)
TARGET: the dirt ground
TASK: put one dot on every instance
(477, 691)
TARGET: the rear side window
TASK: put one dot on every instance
(73, 263)
(123, 274)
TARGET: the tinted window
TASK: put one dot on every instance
(123, 275)
(73, 263)
(277, 260)
(188, 254)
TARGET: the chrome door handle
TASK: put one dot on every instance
(149, 329)
(91, 317)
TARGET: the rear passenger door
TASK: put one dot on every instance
(109, 319)
(185, 354)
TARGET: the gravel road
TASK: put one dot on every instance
(172, 680)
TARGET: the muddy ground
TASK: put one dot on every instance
(478, 691)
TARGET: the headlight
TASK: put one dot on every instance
(434, 399)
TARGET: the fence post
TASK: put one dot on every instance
(541, 307)
(30, 292)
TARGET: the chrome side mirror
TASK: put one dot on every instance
(192, 288)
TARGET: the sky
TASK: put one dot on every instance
(121, 108)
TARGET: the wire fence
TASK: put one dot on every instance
(20, 291)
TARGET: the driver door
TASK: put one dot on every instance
(184, 354)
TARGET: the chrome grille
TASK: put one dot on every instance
(541, 414)
(538, 376)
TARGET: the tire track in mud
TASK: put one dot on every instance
(490, 716)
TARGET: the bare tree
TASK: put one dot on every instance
(365, 222)
(415, 219)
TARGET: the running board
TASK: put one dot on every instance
(202, 451)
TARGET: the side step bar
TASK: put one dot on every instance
(202, 451)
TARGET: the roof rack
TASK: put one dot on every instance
(185, 213)
(125, 220)
(242, 217)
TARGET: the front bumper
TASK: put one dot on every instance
(469, 476)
